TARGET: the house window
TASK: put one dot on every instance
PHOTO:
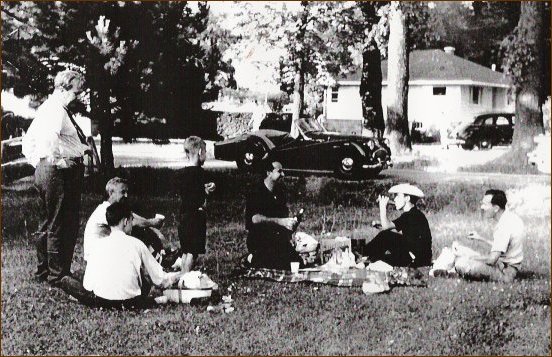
(335, 92)
(476, 95)
(439, 90)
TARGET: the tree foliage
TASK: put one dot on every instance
(525, 62)
(158, 59)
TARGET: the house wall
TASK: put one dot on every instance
(428, 109)
(433, 111)
(348, 105)
(345, 115)
(469, 109)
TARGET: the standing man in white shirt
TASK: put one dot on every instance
(55, 146)
(504, 260)
(116, 275)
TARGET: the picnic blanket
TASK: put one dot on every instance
(399, 276)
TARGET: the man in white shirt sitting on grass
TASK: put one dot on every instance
(144, 229)
(116, 278)
(506, 253)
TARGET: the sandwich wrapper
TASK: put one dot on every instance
(192, 285)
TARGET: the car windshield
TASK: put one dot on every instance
(308, 125)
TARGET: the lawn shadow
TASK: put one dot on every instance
(531, 275)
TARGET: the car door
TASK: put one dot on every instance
(486, 130)
(504, 128)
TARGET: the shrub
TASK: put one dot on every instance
(232, 124)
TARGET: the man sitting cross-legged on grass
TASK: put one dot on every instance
(413, 246)
(144, 229)
(116, 278)
(504, 260)
(268, 223)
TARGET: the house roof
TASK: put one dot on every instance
(438, 66)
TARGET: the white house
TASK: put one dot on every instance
(444, 89)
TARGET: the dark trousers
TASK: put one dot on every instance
(389, 247)
(149, 238)
(59, 199)
(74, 288)
(275, 253)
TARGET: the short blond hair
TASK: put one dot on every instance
(69, 79)
(112, 185)
(193, 144)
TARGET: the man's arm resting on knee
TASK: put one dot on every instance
(490, 259)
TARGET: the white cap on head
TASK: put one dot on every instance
(407, 189)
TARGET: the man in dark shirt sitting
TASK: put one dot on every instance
(413, 246)
(268, 223)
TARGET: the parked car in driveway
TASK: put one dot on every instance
(315, 150)
(485, 131)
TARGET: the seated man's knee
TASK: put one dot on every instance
(463, 265)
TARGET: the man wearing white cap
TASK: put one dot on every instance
(413, 246)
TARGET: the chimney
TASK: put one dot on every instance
(449, 50)
(493, 67)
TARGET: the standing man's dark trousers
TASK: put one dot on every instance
(59, 199)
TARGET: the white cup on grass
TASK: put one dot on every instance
(294, 267)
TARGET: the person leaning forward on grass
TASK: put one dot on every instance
(504, 260)
(55, 146)
(412, 247)
(117, 277)
(194, 190)
(268, 223)
(145, 229)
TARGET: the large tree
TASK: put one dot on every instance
(397, 81)
(525, 62)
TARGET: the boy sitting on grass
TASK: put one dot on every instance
(194, 190)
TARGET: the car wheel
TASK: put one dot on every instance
(251, 157)
(467, 146)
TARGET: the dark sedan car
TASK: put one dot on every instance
(486, 131)
(315, 150)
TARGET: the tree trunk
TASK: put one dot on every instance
(100, 111)
(530, 93)
(299, 80)
(370, 89)
(397, 78)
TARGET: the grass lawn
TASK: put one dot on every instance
(449, 317)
